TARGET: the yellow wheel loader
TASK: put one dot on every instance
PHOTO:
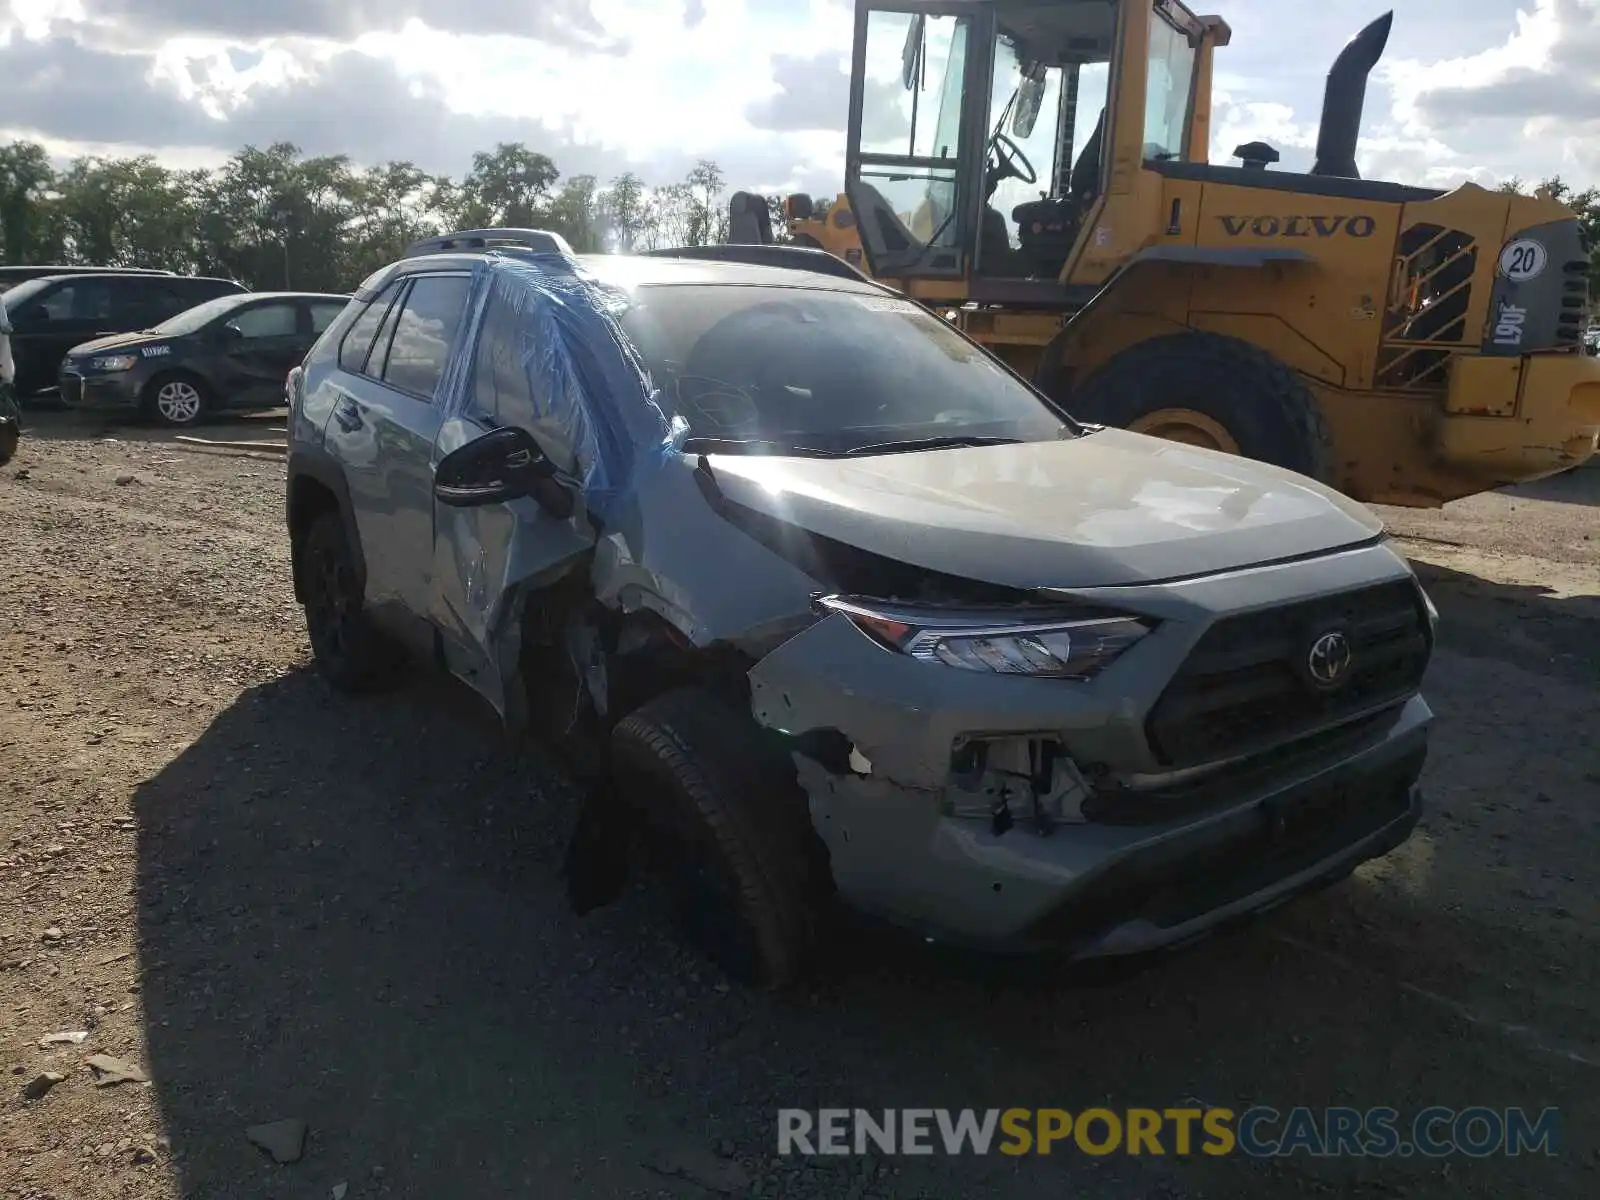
(1038, 170)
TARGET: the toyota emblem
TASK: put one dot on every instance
(1328, 661)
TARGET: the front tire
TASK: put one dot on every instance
(176, 401)
(730, 832)
(1209, 390)
(350, 652)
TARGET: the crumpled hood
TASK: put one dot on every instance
(117, 341)
(1109, 509)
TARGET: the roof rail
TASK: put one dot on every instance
(795, 258)
(541, 241)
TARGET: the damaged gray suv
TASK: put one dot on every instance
(834, 607)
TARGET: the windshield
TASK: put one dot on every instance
(1168, 91)
(194, 318)
(797, 369)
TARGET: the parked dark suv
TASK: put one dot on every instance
(14, 274)
(829, 603)
(53, 313)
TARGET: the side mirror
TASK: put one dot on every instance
(34, 314)
(504, 464)
(231, 333)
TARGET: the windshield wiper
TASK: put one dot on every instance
(911, 445)
(716, 445)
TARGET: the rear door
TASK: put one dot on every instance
(487, 557)
(259, 343)
(383, 428)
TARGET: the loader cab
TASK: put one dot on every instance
(986, 135)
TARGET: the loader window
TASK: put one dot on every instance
(912, 104)
(1169, 91)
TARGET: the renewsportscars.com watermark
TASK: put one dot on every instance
(1257, 1132)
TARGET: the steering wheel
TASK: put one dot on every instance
(1010, 161)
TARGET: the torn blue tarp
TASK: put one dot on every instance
(591, 394)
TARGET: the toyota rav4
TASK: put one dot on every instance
(839, 608)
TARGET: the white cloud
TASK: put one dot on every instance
(1477, 89)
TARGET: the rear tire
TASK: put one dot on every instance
(10, 439)
(1261, 403)
(349, 650)
(728, 828)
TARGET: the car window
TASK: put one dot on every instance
(829, 370)
(359, 337)
(505, 364)
(266, 321)
(422, 335)
(80, 300)
(324, 313)
(385, 338)
(137, 304)
(500, 389)
(197, 290)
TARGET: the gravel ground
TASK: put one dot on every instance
(279, 904)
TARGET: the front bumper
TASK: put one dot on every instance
(1514, 419)
(1154, 855)
(104, 392)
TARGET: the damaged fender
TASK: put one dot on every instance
(885, 818)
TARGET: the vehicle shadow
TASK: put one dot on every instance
(1578, 486)
(352, 913)
(1528, 626)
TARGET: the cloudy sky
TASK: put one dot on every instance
(1468, 88)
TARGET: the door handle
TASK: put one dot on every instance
(348, 414)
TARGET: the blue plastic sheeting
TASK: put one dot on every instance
(587, 382)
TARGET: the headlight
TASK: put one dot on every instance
(114, 362)
(1041, 643)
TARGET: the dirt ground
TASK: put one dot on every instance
(278, 904)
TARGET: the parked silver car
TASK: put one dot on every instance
(844, 609)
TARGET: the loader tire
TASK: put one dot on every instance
(1198, 387)
(731, 833)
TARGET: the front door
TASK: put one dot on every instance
(488, 559)
(915, 152)
(260, 343)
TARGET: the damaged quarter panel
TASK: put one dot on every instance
(671, 553)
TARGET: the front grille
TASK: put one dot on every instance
(71, 388)
(1243, 689)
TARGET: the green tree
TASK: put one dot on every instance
(708, 221)
(507, 186)
(625, 215)
(575, 213)
(26, 180)
(125, 212)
